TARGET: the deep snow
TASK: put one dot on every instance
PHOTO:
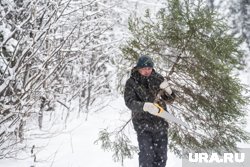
(75, 146)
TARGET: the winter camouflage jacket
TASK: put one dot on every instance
(138, 90)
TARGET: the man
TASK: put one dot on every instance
(144, 88)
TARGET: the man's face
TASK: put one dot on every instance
(146, 71)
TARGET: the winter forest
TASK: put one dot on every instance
(65, 61)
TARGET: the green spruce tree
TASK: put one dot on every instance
(191, 44)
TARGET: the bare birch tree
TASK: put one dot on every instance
(52, 52)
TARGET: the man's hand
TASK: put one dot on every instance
(151, 108)
(165, 86)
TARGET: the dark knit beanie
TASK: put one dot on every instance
(144, 61)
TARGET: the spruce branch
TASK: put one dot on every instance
(117, 142)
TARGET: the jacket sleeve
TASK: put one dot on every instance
(131, 99)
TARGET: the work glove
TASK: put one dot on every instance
(150, 108)
(165, 86)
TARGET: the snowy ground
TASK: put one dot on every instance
(75, 146)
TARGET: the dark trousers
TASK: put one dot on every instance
(153, 148)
